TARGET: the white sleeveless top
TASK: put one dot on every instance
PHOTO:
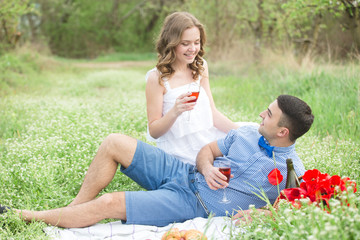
(185, 138)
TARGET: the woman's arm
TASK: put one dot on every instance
(158, 124)
(221, 122)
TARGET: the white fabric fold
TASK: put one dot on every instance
(215, 228)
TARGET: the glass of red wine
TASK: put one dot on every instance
(194, 88)
(225, 168)
(194, 94)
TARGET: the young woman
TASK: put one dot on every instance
(178, 126)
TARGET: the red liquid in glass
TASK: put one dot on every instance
(226, 171)
(194, 94)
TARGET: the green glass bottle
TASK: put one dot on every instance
(292, 180)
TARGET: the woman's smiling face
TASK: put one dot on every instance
(189, 46)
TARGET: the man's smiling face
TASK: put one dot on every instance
(269, 126)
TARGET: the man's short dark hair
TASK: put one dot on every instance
(297, 116)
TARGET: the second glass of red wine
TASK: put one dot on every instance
(225, 168)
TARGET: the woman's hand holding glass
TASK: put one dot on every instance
(185, 102)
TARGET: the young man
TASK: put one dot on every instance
(177, 191)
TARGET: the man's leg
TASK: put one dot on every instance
(110, 205)
(85, 210)
(115, 149)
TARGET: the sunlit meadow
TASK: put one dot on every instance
(51, 127)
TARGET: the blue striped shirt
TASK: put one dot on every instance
(250, 166)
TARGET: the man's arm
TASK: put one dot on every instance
(204, 163)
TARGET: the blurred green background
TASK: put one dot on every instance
(88, 29)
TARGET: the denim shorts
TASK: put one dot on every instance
(170, 191)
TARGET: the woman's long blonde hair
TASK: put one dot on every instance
(170, 36)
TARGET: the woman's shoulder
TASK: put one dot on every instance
(204, 62)
(152, 75)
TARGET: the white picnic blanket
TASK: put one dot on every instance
(216, 228)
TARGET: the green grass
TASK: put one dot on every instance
(333, 94)
(115, 57)
(310, 222)
(126, 57)
(53, 118)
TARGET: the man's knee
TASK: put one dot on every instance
(115, 142)
(120, 147)
(107, 200)
(113, 204)
(119, 139)
(114, 139)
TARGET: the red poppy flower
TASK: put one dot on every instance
(310, 189)
(275, 177)
(324, 177)
(318, 187)
(311, 176)
(345, 182)
(335, 180)
(324, 187)
(293, 193)
(323, 194)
